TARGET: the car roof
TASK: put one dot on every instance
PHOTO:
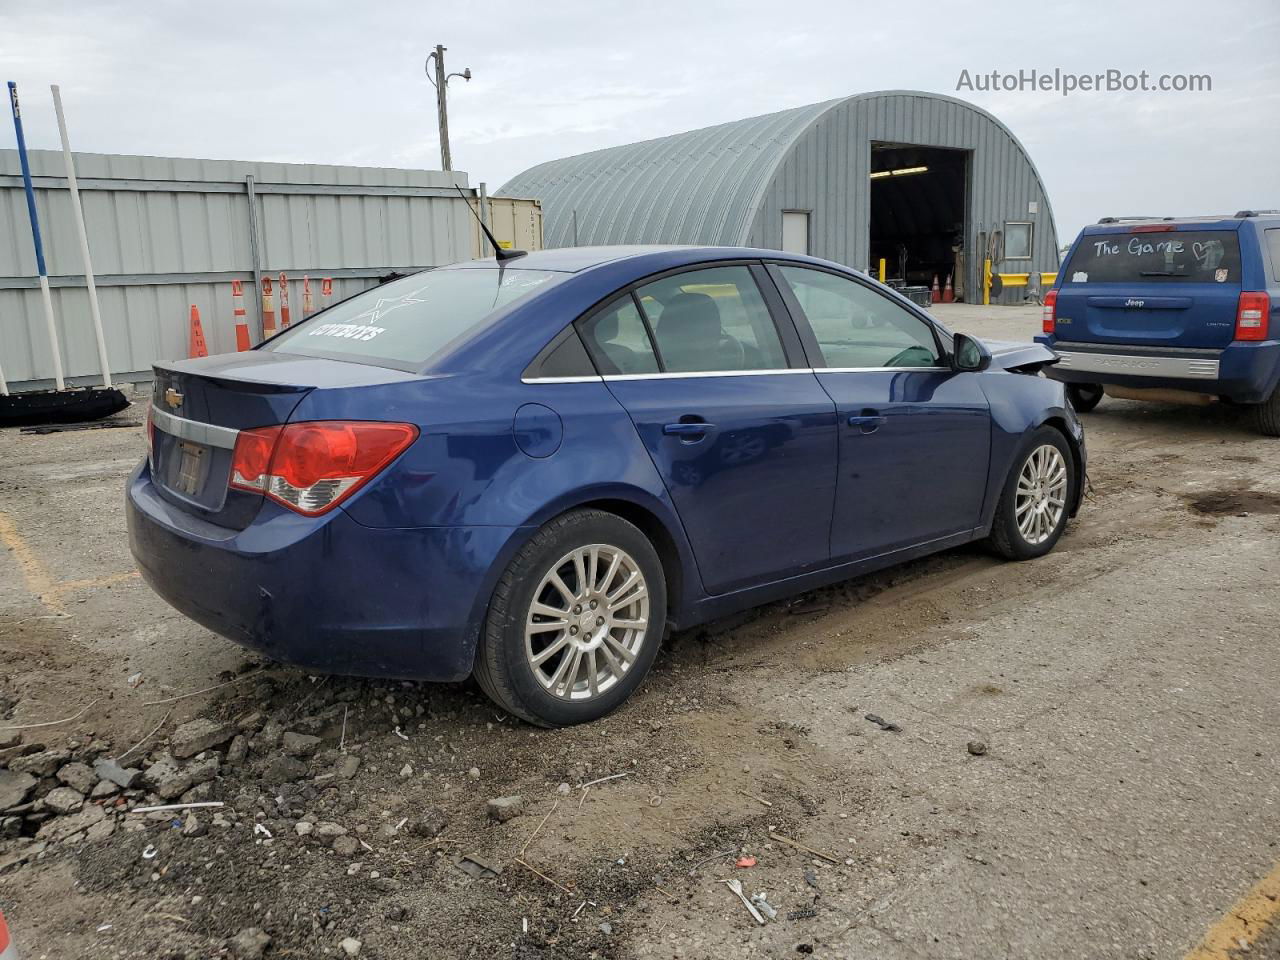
(578, 259)
(1212, 221)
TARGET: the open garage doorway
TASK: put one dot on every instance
(919, 205)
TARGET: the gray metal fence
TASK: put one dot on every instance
(166, 233)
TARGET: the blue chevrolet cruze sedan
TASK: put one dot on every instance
(532, 469)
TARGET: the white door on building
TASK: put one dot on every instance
(795, 231)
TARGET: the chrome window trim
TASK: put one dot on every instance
(610, 377)
(594, 378)
(933, 369)
(195, 431)
(688, 375)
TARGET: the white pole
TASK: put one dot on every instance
(53, 331)
(84, 238)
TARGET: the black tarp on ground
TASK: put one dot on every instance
(66, 406)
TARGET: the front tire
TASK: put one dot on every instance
(1035, 503)
(575, 621)
(1084, 396)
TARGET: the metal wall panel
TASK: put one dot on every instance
(168, 232)
(729, 184)
(828, 171)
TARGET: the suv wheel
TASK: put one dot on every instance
(575, 622)
(1032, 512)
(1084, 396)
(1266, 415)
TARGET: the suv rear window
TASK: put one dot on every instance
(1180, 256)
(407, 321)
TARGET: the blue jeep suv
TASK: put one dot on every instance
(1181, 309)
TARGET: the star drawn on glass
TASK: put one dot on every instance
(386, 305)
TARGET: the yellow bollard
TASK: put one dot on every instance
(882, 269)
(986, 283)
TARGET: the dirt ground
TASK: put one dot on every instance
(1124, 689)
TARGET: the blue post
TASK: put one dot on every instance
(45, 296)
(26, 179)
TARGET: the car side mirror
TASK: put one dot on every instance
(968, 354)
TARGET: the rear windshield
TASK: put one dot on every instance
(1179, 256)
(406, 322)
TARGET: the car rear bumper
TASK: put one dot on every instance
(326, 593)
(1242, 372)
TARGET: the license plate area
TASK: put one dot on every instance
(192, 468)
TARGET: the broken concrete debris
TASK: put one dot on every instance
(503, 809)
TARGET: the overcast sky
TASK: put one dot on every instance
(337, 82)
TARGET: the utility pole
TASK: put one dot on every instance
(441, 83)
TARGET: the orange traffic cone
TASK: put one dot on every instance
(198, 348)
(935, 295)
(268, 309)
(284, 300)
(8, 949)
(242, 324)
(948, 294)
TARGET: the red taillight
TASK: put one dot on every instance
(312, 467)
(1049, 315)
(1253, 316)
(1153, 228)
(252, 457)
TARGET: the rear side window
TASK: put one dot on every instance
(1178, 256)
(713, 320)
(406, 322)
(1273, 250)
(618, 340)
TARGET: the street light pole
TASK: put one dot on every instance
(441, 83)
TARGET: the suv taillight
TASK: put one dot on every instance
(1049, 316)
(311, 467)
(1253, 316)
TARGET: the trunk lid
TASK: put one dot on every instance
(1174, 285)
(198, 407)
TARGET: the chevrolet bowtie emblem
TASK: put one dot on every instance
(173, 398)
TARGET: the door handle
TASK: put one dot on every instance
(697, 429)
(869, 421)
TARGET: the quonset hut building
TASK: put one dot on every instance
(927, 182)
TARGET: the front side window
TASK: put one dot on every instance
(406, 322)
(857, 327)
(709, 321)
(1017, 241)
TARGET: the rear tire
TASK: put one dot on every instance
(575, 621)
(1037, 497)
(1266, 415)
(1084, 396)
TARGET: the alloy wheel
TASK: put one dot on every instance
(1041, 497)
(588, 620)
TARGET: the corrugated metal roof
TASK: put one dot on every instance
(695, 187)
(727, 184)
